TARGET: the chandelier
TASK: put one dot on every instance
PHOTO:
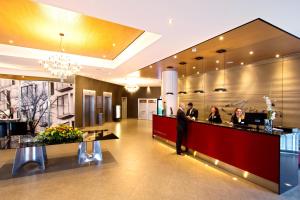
(131, 88)
(61, 65)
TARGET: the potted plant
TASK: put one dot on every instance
(60, 134)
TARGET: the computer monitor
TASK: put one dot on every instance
(255, 118)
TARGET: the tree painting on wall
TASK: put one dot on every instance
(9, 111)
(34, 104)
(8, 99)
(39, 103)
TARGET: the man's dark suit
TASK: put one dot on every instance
(182, 123)
(193, 113)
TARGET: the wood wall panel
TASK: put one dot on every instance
(82, 82)
(246, 87)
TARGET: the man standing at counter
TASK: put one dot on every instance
(182, 122)
(192, 112)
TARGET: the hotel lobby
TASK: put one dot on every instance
(149, 99)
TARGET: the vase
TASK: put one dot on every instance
(268, 125)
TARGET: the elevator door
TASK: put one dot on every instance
(87, 113)
(88, 108)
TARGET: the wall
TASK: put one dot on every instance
(132, 99)
(82, 82)
(246, 86)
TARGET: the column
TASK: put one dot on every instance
(169, 90)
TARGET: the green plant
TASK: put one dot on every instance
(60, 134)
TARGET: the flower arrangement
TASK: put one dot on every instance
(60, 134)
(271, 114)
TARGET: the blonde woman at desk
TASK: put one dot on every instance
(238, 117)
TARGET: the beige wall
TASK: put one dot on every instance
(247, 85)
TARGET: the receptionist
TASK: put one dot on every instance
(214, 115)
(238, 117)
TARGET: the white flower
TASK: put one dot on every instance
(273, 115)
(268, 103)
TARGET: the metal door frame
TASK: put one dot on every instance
(107, 94)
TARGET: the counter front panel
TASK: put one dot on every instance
(253, 152)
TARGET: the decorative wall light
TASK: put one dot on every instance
(148, 90)
(222, 89)
(169, 93)
(198, 91)
(182, 92)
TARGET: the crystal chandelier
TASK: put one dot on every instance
(61, 65)
(132, 88)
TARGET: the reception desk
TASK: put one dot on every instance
(270, 160)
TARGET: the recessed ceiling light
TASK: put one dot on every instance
(182, 75)
(221, 38)
(277, 55)
(170, 21)
(175, 56)
(194, 49)
(63, 49)
(217, 68)
(229, 62)
(104, 56)
(198, 72)
(242, 63)
(114, 44)
(217, 61)
(150, 66)
(251, 52)
(11, 41)
(194, 67)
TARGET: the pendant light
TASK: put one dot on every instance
(222, 89)
(184, 74)
(201, 90)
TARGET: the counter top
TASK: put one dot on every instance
(276, 132)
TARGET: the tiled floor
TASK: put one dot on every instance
(135, 167)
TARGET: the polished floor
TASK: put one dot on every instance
(134, 167)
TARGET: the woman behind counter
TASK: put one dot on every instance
(238, 116)
(214, 116)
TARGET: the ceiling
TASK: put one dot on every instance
(193, 21)
(34, 25)
(264, 40)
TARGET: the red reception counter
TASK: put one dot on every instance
(270, 160)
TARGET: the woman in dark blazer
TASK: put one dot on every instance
(214, 116)
(238, 117)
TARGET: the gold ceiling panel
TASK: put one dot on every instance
(264, 39)
(29, 24)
